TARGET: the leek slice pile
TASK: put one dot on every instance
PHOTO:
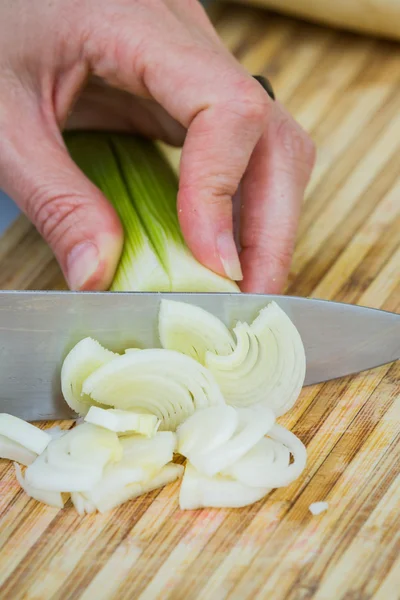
(91, 464)
(266, 365)
(236, 465)
(207, 394)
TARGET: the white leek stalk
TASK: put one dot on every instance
(164, 383)
(30, 437)
(137, 180)
(123, 421)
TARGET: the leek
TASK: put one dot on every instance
(123, 421)
(27, 435)
(266, 365)
(141, 185)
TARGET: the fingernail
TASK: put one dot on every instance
(82, 262)
(229, 256)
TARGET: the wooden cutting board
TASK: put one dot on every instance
(345, 90)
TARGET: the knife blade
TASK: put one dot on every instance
(37, 329)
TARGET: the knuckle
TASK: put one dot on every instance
(251, 102)
(212, 196)
(54, 214)
(273, 261)
(297, 144)
(281, 260)
(271, 252)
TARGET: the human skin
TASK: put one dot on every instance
(156, 67)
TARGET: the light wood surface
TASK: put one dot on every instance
(377, 17)
(345, 90)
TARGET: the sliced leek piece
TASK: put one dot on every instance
(84, 358)
(11, 450)
(82, 504)
(192, 330)
(149, 454)
(164, 383)
(123, 421)
(86, 444)
(200, 491)
(47, 497)
(268, 463)
(207, 429)
(267, 365)
(72, 478)
(255, 467)
(114, 497)
(253, 423)
(29, 436)
(75, 461)
(56, 432)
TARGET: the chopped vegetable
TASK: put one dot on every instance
(149, 454)
(83, 505)
(74, 462)
(112, 498)
(251, 426)
(164, 383)
(316, 508)
(30, 437)
(122, 421)
(141, 185)
(13, 451)
(85, 358)
(266, 365)
(244, 462)
(236, 452)
(45, 496)
(268, 464)
(192, 331)
(200, 491)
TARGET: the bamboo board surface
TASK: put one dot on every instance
(345, 90)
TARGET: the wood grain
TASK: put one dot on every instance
(346, 91)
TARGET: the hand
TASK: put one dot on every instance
(156, 67)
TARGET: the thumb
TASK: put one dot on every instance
(70, 213)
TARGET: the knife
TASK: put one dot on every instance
(37, 329)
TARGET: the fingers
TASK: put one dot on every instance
(203, 88)
(216, 152)
(272, 195)
(69, 212)
(102, 107)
